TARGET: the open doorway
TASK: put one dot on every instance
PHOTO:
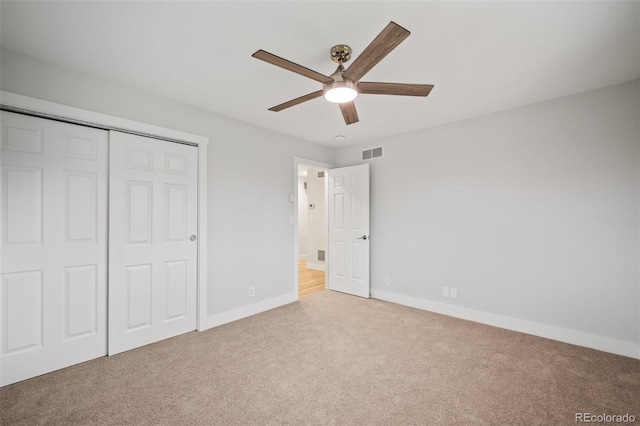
(311, 235)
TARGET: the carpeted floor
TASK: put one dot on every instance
(333, 359)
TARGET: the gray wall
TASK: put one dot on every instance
(250, 175)
(531, 213)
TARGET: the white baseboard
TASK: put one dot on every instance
(302, 256)
(316, 266)
(573, 337)
(249, 310)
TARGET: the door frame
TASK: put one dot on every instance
(297, 161)
(36, 107)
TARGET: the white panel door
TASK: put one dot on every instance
(152, 246)
(53, 293)
(349, 230)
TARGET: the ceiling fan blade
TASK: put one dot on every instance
(390, 37)
(349, 112)
(291, 66)
(296, 101)
(394, 89)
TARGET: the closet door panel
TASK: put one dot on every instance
(152, 255)
(53, 299)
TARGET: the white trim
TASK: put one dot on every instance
(54, 109)
(316, 266)
(302, 256)
(45, 107)
(298, 161)
(247, 311)
(203, 239)
(565, 335)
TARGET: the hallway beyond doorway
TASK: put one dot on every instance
(309, 280)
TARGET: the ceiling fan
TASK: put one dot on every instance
(343, 86)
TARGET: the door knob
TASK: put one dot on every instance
(192, 238)
(364, 237)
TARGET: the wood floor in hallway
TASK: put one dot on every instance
(309, 280)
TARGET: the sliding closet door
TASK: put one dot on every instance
(53, 297)
(152, 240)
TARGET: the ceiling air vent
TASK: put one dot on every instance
(321, 174)
(369, 154)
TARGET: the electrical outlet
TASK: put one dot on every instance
(453, 293)
(386, 281)
(252, 291)
(445, 291)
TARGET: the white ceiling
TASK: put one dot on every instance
(482, 57)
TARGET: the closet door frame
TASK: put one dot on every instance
(45, 109)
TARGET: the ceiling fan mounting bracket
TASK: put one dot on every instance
(340, 53)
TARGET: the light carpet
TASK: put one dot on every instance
(334, 359)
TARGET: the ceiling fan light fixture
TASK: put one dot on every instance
(340, 92)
